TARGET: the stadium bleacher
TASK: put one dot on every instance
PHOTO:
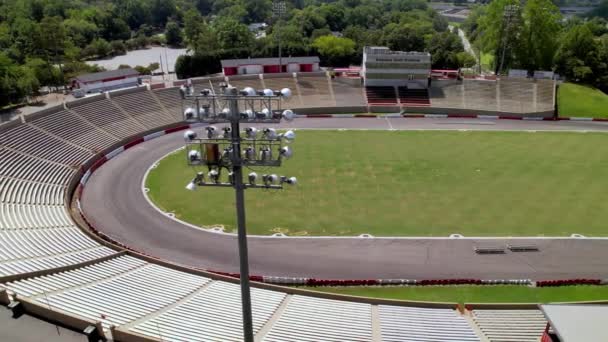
(381, 96)
(510, 325)
(414, 97)
(87, 279)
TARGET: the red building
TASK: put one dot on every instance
(269, 65)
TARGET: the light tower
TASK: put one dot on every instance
(220, 150)
(278, 9)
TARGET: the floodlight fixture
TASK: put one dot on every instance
(189, 113)
(225, 113)
(265, 154)
(270, 179)
(211, 132)
(290, 180)
(252, 178)
(249, 153)
(227, 132)
(286, 93)
(251, 132)
(189, 135)
(248, 91)
(205, 92)
(285, 152)
(288, 115)
(289, 136)
(268, 92)
(194, 156)
(191, 186)
(270, 133)
(214, 176)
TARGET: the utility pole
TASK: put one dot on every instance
(510, 12)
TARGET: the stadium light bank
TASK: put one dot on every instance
(218, 150)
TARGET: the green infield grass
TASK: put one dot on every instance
(476, 294)
(413, 183)
(583, 101)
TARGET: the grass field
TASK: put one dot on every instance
(477, 294)
(414, 183)
(577, 100)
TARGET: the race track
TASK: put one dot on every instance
(114, 203)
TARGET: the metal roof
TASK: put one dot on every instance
(268, 61)
(578, 322)
(99, 76)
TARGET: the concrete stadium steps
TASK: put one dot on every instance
(17, 191)
(241, 82)
(144, 108)
(480, 94)
(545, 95)
(49, 284)
(316, 319)
(516, 96)
(25, 167)
(171, 100)
(510, 325)
(348, 92)
(73, 128)
(125, 296)
(34, 243)
(446, 94)
(315, 91)
(414, 97)
(42, 263)
(36, 143)
(199, 317)
(109, 117)
(380, 96)
(423, 324)
(24, 216)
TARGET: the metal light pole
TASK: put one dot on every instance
(205, 152)
(509, 13)
(279, 8)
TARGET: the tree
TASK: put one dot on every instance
(231, 35)
(173, 34)
(308, 20)
(577, 55)
(118, 47)
(539, 37)
(45, 73)
(258, 10)
(499, 30)
(444, 48)
(335, 51)
(161, 11)
(293, 41)
(80, 31)
(404, 37)
(465, 60)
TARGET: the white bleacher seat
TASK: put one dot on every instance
(316, 319)
(200, 319)
(400, 323)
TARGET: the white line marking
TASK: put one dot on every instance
(390, 125)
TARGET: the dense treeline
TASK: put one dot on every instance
(334, 30)
(535, 36)
(44, 42)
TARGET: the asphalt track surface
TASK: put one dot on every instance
(114, 203)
